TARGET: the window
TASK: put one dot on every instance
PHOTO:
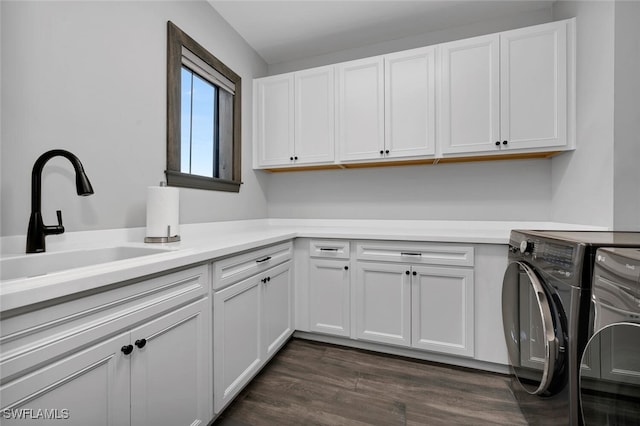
(203, 117)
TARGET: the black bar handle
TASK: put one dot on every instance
(328, 249)
(264, 259)
(407, 253)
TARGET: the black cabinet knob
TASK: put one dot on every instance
(295, 158)
(407, 272)
(415, 273)
(381, 152)
(504, 142)
(140, 343)
(127, 349)
(386, 152)
(264, 280)
(346, 268)
(497, 143)
(291, 158)
(268, 278)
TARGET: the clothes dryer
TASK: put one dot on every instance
(610, 373)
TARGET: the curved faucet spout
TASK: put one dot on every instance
(37, 229)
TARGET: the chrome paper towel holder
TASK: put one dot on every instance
(162, 239)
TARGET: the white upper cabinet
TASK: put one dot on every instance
(533, 87)
(294, 118)
(506, 91)
(387, 106)
(509, 92)
(314, 116)
(410, 103)
(361, 109)
(470, 94)
(274, 120)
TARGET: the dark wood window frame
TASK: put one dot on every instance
(176, 40)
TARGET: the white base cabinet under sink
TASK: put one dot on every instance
(133, 355)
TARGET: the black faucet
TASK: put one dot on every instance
(37, 229)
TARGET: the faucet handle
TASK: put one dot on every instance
(59, 229)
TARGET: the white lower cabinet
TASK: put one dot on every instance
(82, 362)
(416, 305)
(277, 308)
(442, 314)
(236, 339)
(329, 288)
(170, 368)
(252, 319)
(90, 387)
(383, 303)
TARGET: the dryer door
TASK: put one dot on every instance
(533, 325)
(610, 392)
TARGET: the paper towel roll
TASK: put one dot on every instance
(163, 210)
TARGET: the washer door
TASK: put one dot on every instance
(610, 388)
(532, 319)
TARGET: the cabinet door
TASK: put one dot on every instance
(90, 387)
(361, 109)
(534, 86)
(442, 311)
(274, 130)
(277, 308)
(170, 368)
(383, 303)
(236, 339)
(329, 296)
(410, 103)
(314, 116)
(470, 94)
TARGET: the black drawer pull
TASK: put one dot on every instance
(408, 253)
(328, 249)
(264, 259)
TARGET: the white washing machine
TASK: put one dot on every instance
(610, 373)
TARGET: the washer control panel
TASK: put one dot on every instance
(554, 257)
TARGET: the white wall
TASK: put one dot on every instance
(626, 172)
(582, 184)
(428, 38)
(90, 77)
(497, 190)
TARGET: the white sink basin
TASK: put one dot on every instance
(31, 265)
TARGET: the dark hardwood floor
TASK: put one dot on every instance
(309, 383)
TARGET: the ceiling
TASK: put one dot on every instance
(283, 31)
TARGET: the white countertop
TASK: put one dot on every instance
(207, 241)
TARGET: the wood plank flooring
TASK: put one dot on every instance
(310, 383)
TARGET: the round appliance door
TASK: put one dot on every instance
(610, 376)
(533, 329)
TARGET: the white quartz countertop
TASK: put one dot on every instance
(204, 242)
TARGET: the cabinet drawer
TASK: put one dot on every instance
(333, 249)
(428, 254)
(233, 269)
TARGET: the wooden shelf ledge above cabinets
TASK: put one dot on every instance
(517, 156)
